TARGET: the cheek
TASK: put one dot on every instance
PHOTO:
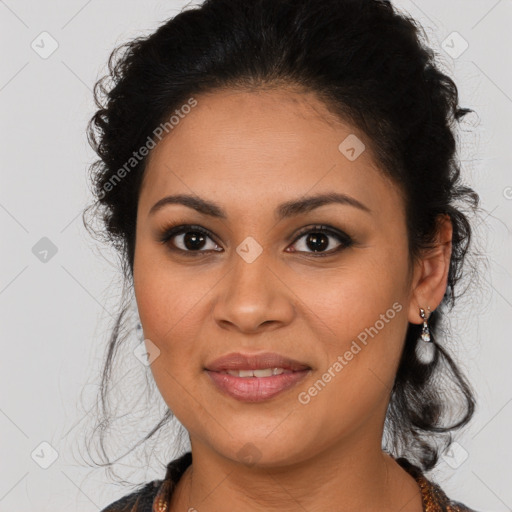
(362, 312)
(351, 299)
(173, 303)
(359, 363)
(169, 304)
(167, 294)
(171, 317)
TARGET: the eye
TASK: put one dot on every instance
(189, 239)
(316, 238)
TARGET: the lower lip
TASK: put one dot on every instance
(255, 389)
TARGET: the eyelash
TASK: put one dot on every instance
(171, 231)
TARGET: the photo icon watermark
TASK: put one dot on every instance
(352, 147)
(249, 454)
(249, 249)
(44, 45)
(455, 455)
(44, 455)
(455, 45)
(146, 352)
(44, 250)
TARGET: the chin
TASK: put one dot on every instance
(259, 449)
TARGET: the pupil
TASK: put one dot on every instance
(317, 241)
(192, 239)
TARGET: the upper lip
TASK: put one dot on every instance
(239, 361)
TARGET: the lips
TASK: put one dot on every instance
(245, 377)
(239, 361)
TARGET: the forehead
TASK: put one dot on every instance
(247, 147)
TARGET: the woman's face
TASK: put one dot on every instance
(265, 279)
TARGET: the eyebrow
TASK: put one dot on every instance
(283, 211)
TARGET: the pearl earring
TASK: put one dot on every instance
(425, 349)
(425, 333)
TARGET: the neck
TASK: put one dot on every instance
(353, 477)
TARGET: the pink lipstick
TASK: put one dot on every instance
(255, 377)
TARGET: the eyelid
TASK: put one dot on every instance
(179, 229)
(343, 238)
(319, 228)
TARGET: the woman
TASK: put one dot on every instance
(279, 178)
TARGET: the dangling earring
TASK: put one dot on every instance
(425, 349)
(425, 333)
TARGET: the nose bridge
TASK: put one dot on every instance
(250, 274)
(250, 264)
(252, 294)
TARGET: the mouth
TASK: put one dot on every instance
(256, 377)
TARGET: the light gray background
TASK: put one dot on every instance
(55, 314)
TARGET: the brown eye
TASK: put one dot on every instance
(318, 238)
(193, 240)
(188, 239)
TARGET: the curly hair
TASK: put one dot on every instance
(367, 62)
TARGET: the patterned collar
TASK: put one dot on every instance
(434, 499)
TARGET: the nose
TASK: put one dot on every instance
(252, 297)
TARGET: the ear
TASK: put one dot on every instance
(431, 272)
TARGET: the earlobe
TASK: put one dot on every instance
(432, 272)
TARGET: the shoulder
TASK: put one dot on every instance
(434, 498)
(140, 500)
(156, 491)
(443, 502)
(455, 506)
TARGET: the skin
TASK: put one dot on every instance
(249, 152)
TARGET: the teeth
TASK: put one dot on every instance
(263, 373)
(267, 372)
